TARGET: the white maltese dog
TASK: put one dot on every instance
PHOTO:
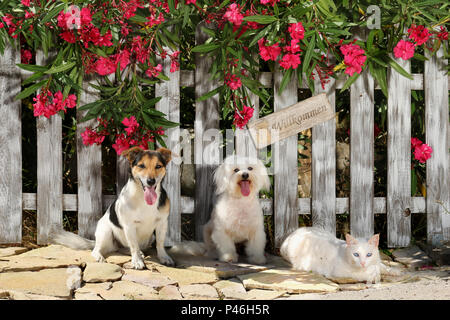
(237, 216)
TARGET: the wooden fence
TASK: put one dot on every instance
(49, 201)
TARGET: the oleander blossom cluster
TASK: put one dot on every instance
(133, 135)
(421, 151)
(48, 104)
(417, 36)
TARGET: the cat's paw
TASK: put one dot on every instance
(166, 260)
(137, 262)
(257, 259)
(98, 256)
(228, 257)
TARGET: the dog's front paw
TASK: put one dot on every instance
(257, 259)
(166, 260)
(137, 263)
(98, 257)
(228, 257)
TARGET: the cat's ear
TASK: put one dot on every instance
(350, 240)
(374, 240)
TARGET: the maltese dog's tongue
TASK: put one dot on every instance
(245, 187)
(150, 195)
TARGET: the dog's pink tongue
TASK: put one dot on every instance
(150, 195)
(245, 187)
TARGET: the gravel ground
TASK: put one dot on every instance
(423, 290)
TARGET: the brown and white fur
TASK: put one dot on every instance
(237, 216)
(141, 208)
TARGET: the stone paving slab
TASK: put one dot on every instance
(169, 292)
(199, 292)
(148, 278)
(412, 257)
(288, 280)
(49, 282)
(12, 251)
(101, 272)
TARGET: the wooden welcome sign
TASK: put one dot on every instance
(291, 120)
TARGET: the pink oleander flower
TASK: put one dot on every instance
(234, 15)
(191, 1)
(296, 31)
(233, 81)
(121, 144)
(293, 47)
(354, 58)
(271, 2)
(25, 56)
(85, 15)
(131, 125)
(290, 61)
(241, 118)
(443, 35)
(105, 66)
(268, 52)
(404, 49)
(26, 3)
(415, 143)
(90, 137)
(122, 58)
(422, 152)
(153, 71)
(419, 34)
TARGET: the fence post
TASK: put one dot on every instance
(11, 146)
(89, 171)
(170, 105)
(49, 171)
(361, 153)
(285, 161)
(206, 117)
(436, 122)
(399, 158)
(323, 167)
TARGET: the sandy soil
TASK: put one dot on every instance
(438, 289)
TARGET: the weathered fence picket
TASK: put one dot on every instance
(323, 167)
(436, 131)
(361, 155)
(89, 171)
(399, 158)
(285, 162)
(11, 146)
(49, 171)
(206, 117)
(170, 105)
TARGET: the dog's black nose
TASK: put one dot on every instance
(245, 175)
(151, 182)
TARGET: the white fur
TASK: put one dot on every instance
(138, 221)
(237, 218)
(311, 249)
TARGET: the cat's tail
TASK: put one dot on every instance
(58, 235)
(192, 248)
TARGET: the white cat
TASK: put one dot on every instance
(312, 249)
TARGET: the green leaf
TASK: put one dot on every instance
(309, 53)
(350, 81)
(261, 19)
(399, 69)
(31, 67)
(61, 68)
(286, 78)
(209, 94)
(52, 13)
(206, 47)
(30, 90)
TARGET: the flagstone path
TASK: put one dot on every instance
(56, 272)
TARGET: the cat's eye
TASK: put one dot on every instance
(250, 168)
(369, 254)
(142, 166)
(356, 254)
(158, 166)
(236, 170)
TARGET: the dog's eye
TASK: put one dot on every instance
(158, 166)
(236, 170)
(141, 166)
(250, 168)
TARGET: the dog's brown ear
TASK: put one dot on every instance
(165, 153)
(132, 153)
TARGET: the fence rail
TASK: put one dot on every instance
(50, 202)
